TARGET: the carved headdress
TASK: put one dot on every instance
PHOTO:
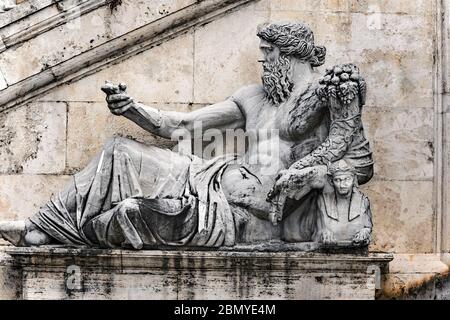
(340, 167)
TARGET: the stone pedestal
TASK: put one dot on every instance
(65, 273)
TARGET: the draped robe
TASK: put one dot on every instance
(134, 195)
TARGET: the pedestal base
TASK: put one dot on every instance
(65, 273)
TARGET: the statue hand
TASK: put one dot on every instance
(362, 238)
(118, 101)
(297, 183)
(280, 183)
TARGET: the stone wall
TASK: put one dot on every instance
(397, 45)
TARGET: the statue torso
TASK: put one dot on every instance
(273, 144)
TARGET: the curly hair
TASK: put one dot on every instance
(294, 39)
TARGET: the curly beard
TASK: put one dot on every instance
(276, 81)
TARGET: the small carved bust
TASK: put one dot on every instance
(344, 211)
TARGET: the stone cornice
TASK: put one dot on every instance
(52, 22)
(116, 50)
(59, 256)
(23, 10)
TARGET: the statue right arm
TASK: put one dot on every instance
(221, 116)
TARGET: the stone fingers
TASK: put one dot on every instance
(119, 103)
(114, 98)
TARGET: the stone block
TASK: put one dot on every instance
(403, 159)
(447, 184)
(21, 196)
(443, 288)
(402, 215)
(81, 34)
(3, 83)
(419, 7)
(91, 124)
(416, 276)
(392, 31)
(117, 274)
(41, 12)
(160, 74)
(313, 6)
(10, 280)
(397, 79)
(409, 286)
(417, 264)
(33, 139)
(395, 57)
(402, 142)
(226, 54)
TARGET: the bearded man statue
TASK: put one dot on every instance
(136, 196)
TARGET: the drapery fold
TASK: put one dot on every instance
(134, 195)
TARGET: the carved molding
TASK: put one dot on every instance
(440, 69)
(209, 260)
(25, 9)
(53, 22)
(116, 50)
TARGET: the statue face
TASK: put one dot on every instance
(276, 73)
(269, 52)
(343, 183)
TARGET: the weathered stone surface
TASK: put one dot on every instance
(10, 280)
(27, 8)
(43, 9)
(161, 74)
(397, 55)
(402, 215)
(91, 124)
(381, 36)
(418, 7)
(447, 185)
(418, 264)
(235, 62)
(393, 156)
(366, 6)
(33, 139)
(81, 34)
(196, 275)
(406, 285)
(3, 83)
(415, 149)
(415, 276)
(22, 195)
(401, 138)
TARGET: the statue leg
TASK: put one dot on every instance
(123, 169)
(26, 233)
(34, 236)
(13, 232)
(23, 233)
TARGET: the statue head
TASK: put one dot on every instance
(281, 44)
(343, 177)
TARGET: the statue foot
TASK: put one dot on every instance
(23, 234)
(13, 232)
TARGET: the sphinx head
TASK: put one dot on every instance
(343, 177)
(282, 46)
